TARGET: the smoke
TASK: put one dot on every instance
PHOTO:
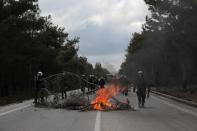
(110, 68)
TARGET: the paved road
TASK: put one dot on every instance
(160, 114)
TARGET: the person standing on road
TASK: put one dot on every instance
(142, 89)
(95, 81)
(102, 82)
(125, 84)
(91, 82)
(83, 83)
(39, 84)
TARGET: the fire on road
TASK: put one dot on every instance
(159, 114)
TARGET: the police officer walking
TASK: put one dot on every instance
(83, 83)
(142, 89)
(125, 83)
(102, 82)
(91, 82)
(39, 85)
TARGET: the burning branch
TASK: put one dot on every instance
(103, 96)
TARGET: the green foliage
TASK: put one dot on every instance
(30, 43)
(135, 43)
(166, 49)
(100, 71)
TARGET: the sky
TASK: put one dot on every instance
(105, 27)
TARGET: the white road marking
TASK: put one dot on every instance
(175, 106)
(97, 126)
(13, 110)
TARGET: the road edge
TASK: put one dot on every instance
(190, 103)
(15, 107)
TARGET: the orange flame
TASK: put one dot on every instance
(103, 96)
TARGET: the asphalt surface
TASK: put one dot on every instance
(159, 114)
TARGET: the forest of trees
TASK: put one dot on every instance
(166, 48)
(30, 43)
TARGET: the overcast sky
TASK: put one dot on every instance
(104, 26)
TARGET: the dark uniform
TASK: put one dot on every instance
(102, 83)
(141, 90)
(91, 82)
(64, 88)
(83, 83)
(39, 86)
(125, 83)
(115, 81)
(96, 83)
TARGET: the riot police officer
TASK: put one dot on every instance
(102, 82)
(142, 89)
(39, 84)
(125, 84)
(83, 83)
